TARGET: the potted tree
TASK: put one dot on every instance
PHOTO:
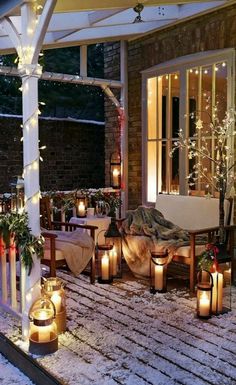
(221, 134)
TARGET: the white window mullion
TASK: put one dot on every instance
(159, 135)
(200, 113)
(183, 124)
(168, 136)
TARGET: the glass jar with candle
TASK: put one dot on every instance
(113, 238)
(43, 329)
(158, 269)
(104, 261)
(204, 294)
(53, 288)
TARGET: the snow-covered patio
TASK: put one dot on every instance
(122, 334)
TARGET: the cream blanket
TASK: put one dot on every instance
(77, 248)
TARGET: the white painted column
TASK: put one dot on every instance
(30, 73)
(124, 127)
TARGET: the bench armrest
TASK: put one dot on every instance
(73, 226)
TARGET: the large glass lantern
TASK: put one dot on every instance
(104, 260)
(115, 170)
(204, 294)
(113, 238)
(158, 269)
(43, 329)
(53, 288)
(221, 293)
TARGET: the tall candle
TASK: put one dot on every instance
(204, 305)
(113, 254)
(105, 266)
(217, 292)
(81, 209)
(56, 299)
(116, 177)
(159, 279)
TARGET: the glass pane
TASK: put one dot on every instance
(206, 97)
(174, 186)
(175, 104)
(151, 172)
(165, 90)
(221, 89)
(193, 81)
(152, 107)
(162, 169)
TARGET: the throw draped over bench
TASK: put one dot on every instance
(146, 229)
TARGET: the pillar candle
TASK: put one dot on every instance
(81, 209)
(217, 292)
(116, 177)
(56, 299)
(113, 255)
(204, 305)
(105, 267)
(159, 279)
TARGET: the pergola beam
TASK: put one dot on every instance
(66, 78)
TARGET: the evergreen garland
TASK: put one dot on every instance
(15, 224)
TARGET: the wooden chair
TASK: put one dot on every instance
(47, 224)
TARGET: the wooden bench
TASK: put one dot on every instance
(198, 215)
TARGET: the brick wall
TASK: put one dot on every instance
(74, 157)
(215, 30)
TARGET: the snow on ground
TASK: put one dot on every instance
(122, 334)
(10, 375)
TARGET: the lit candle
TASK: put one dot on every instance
(56, 299)
(217, 292)
(116, 177)
(159, 280)
(81, 209)
(43, 331)
(113, 254)
(204, 305)
(105, 266)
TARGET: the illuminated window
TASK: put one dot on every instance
(175, 93)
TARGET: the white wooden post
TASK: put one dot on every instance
(124, 126)
(28, 46)
(30, 72)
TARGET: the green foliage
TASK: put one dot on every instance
(14, 224)
(208, 257)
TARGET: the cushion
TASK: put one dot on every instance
(190, 212)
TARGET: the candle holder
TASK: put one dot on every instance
(53, 288)
(43, 329)
(113, 238)
(204, 294)
(104, 263)
(158, 269)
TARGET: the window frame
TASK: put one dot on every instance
(182, 65)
